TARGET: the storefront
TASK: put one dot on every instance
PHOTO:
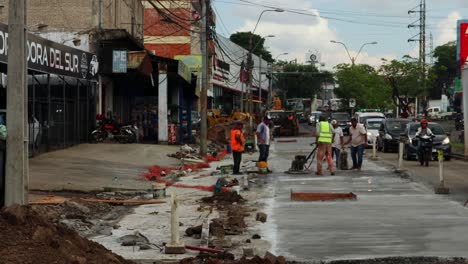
(61, 92)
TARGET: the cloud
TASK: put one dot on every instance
(298, 34)
(446, 29)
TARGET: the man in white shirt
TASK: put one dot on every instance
(263, 137)
(337, 144)
(358, 140)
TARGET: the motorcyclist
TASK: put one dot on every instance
(423, 130)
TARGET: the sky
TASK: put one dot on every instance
(353, 22)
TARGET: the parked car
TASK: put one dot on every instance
(343, 119)
(313, 118)
(284, 122)
(389, 134)
(372, 126)
(441, 141)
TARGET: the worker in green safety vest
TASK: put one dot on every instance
(324, 141)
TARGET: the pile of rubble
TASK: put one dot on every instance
(224, 258)
(28, 236)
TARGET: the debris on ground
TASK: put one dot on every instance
(196, 230)
(256, 236)
(262, 217)
(226, 258)
(136, 239)
(224, 198)
(28, 236)
(156, 172)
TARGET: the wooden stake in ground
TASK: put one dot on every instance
(176, 246)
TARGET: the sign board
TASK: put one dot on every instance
(119, 61)
(462, 43)
(47, 56)
(352, 103)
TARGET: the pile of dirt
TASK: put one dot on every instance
(224, 198)
(27, 236)
(221, 259)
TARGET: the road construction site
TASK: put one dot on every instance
(114, 199)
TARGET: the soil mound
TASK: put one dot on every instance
(29, 237)
(224, 198)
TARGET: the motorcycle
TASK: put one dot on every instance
(425, 149)
(110, 129)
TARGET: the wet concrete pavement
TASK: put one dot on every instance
(392, 216)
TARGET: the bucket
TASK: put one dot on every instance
(159, 190)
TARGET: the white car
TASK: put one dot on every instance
(363, 116)
(372, 126)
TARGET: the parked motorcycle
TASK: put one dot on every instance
(425, 149)
(110, 129)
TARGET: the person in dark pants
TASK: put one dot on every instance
(237, 145)
(263, 138)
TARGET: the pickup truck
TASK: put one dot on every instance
(436, 113)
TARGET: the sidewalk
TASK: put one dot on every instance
(95, 167)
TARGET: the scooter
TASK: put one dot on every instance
(425, 149)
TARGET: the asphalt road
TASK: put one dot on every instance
(392, 216)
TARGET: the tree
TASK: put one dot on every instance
(363, 83)
(301, 81)
(404, 77)
(444, 70)
(243, 39)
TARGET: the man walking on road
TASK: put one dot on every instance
(263, 137)
(324, 141)
(337, 145)
(358, 140)
(237, 145)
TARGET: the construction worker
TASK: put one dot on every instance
(237, 145)
(324, 141)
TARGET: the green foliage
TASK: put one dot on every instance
(445, 68)
(301, 81)
(243, 39)
(363, 83)
(405, 74)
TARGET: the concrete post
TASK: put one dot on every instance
(205, 80)
(176, 246)
(374, 148)
(162, 109)
(17, 140)
(400, 156)
(441, 189)
(465, 105)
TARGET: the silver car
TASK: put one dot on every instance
(372, 126)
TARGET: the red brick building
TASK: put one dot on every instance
(169, 26)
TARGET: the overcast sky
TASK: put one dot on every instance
(353, 22)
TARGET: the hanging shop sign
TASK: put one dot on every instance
(119, 61)
(47, 56)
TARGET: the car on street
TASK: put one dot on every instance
(372, 126)
(389, 134)
(441, 141)
(313, 118)
(284, 122)
(343, 119)
(363, 116)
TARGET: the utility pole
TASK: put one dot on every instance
(260, 80)
(205, 81)
(16, 178)
(421, 38)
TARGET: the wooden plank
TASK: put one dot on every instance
(322, 196)
(50, 200)
(136, 202)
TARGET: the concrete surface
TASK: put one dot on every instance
(392, 216)
(91, 167)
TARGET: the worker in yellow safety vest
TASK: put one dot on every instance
(324, 140)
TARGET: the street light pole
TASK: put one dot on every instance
(270, 88)
(353, 59)
(250, 63)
